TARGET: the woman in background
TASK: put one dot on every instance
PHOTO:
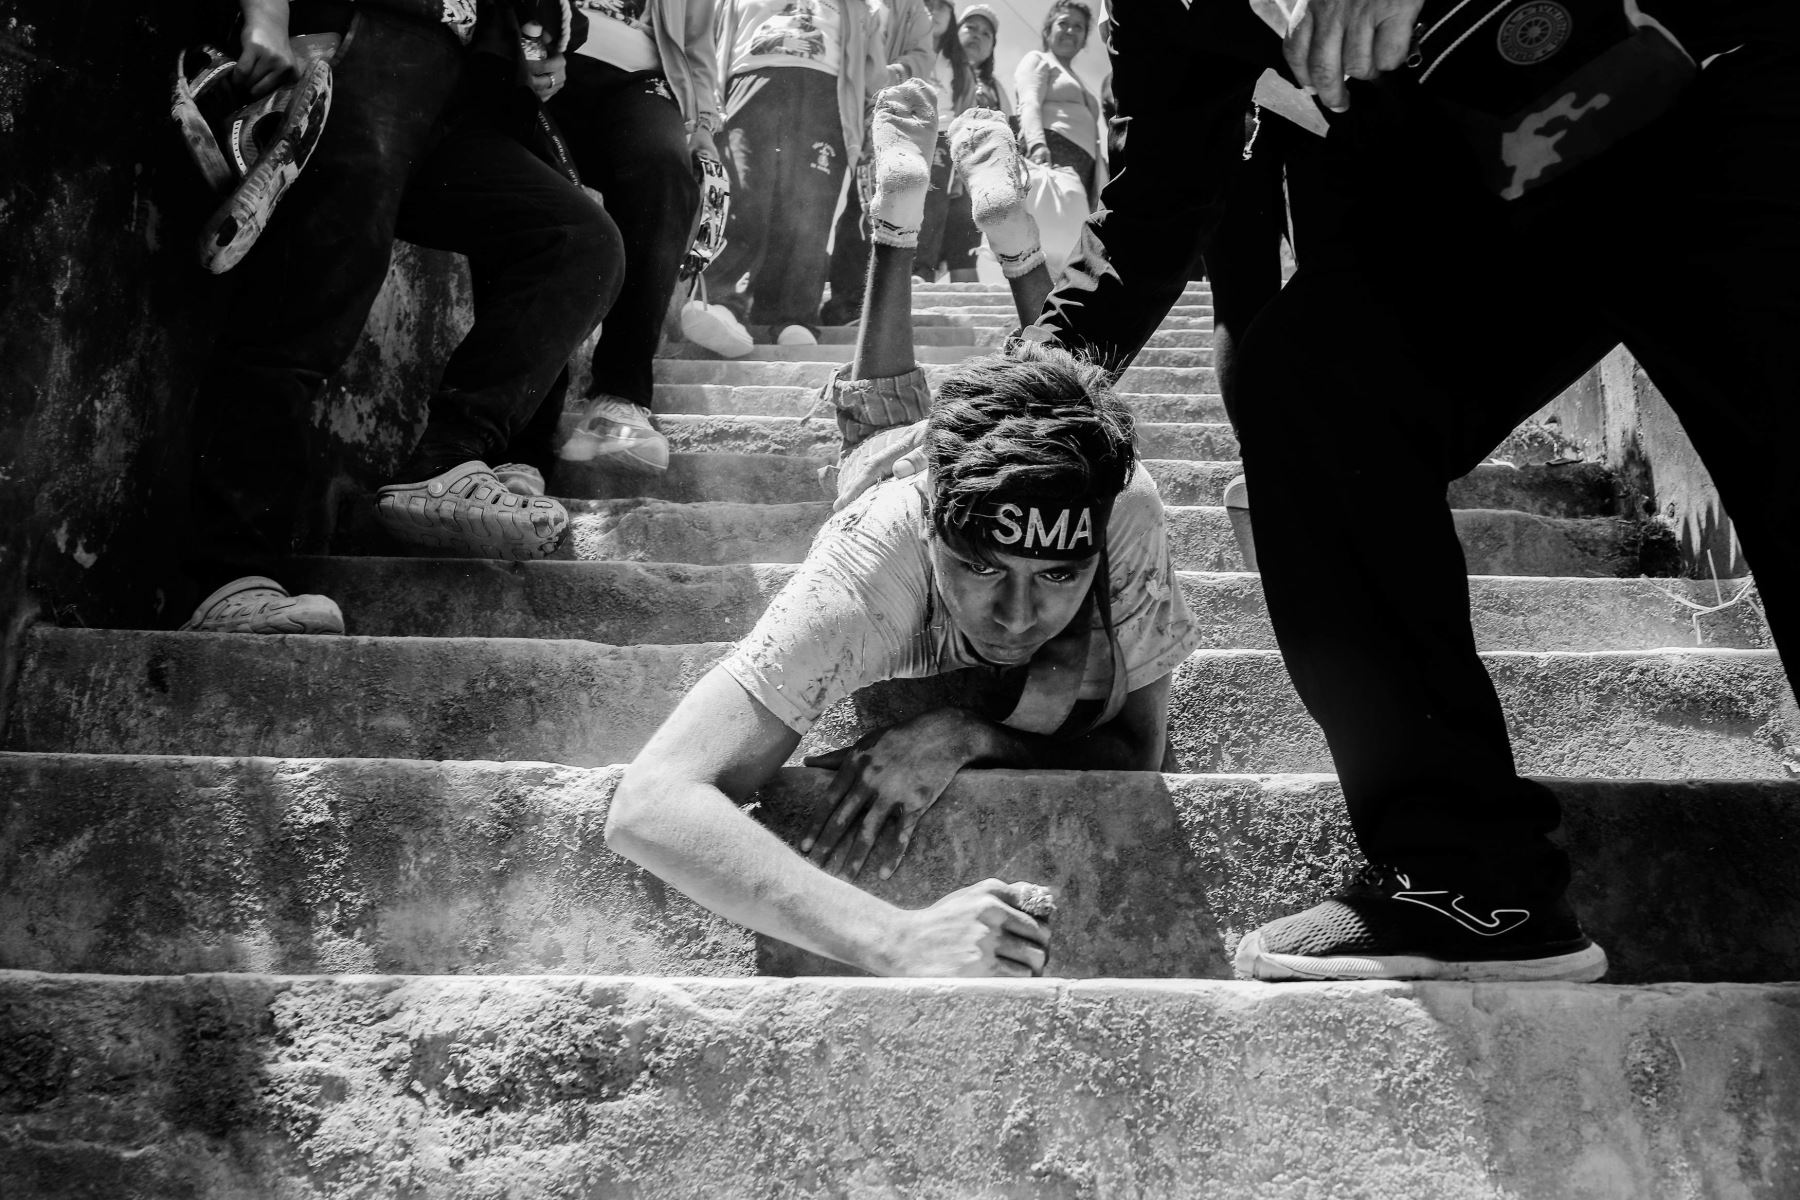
(1059, 125)
(978, 32)
(954, 83)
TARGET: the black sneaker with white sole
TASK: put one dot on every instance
(1388, 925)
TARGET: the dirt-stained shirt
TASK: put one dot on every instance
(862, 607)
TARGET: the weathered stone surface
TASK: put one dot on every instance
(1667, 714)
(626, 604)
(1607, 714)
(215, 1086)
(120, 864)
(1496, 542)
(818, 438)
(768, 373)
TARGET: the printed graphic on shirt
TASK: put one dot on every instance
(459, 15)
(793, 31)
(630, 12)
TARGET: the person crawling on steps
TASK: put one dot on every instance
(1029, 547)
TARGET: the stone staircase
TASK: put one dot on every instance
(335, 917)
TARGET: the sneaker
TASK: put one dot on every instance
(256, 604)
(467, 511)
(716, 328)
(619, 432)
(1385, 927)
(796, 335)
(521, 479)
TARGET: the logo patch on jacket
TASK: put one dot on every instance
(1533, 32)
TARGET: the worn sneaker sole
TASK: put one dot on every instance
(472, 530)
(1253, 962)
(639, 456)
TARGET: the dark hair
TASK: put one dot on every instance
(1065, 6)
(984, 70)
(950, 46)
(1035, 421)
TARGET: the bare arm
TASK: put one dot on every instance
(676, 813)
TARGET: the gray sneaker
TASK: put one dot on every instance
(257, 604)
(619, 434)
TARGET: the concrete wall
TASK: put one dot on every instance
(106, 320)
(1615, 415)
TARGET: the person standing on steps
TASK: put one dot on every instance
(979, 31)
(637, 102)
(1060, 125)
(416, 147)
(955, 85)
(1452, 282)
(906, 41)
(797, 75)
(1031, 547)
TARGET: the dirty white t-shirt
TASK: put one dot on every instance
(861, 609)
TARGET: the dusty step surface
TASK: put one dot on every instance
(163, 865)
(629, 604)
(745, 372)
(819, 437)
(215, 1086)
(1198, 355)
(1572, 490)
(1495, 541)
(1661, 714)
(724, 399)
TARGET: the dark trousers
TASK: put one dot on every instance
(1469, 314)
(937, 212)
(406, 153)
(1423, 304)
(784, 150)
(849, 266)
(629, 142)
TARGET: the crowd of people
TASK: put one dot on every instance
(1004, 522)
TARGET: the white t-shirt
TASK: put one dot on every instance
(788, 33)
(619, 34)
(944, 77)
(862, 608)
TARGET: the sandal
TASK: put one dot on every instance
(467, 511)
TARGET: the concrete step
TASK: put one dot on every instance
(842, 352)
(722, 399)
(254, 1085)
(1661, 715)
(924, 294)
(1495, 542)
(162, 865)
(818, 437)
(1571, 490)
(951, 316)
(990, 330)
(751, 372)
(629, 604)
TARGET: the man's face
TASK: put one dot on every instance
(1008, 606)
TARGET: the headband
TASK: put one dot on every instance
(1039, 527)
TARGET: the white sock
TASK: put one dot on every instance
(987, 158)
(903, 132)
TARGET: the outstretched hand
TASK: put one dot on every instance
(1356, 38)
(977, 931)
(897, 772)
